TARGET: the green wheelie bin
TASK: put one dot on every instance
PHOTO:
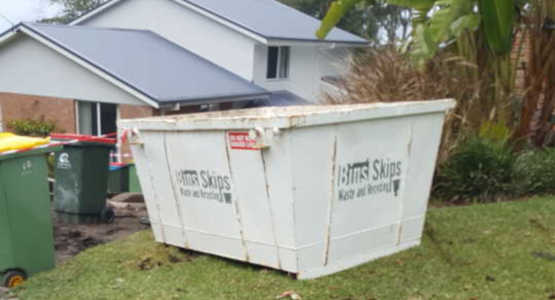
(26, 234)
(81, 171)
(123, 179)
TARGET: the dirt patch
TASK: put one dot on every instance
(71, 239)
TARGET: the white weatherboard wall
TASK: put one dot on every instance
(310, 190)
(215, 42)
(308, 64)
(29, 67)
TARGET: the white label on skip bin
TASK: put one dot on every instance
(206, 185)
(367, 178)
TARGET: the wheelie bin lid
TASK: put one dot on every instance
(11, 142)
(80, 140)
(43, 149)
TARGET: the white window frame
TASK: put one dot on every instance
(117, 153)
(98, 116)
(278, 66)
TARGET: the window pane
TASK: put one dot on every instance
(272, 62)
(108, 118)
(85, 117)
(94, 119)
(284, 62)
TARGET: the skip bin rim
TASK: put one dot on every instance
(288, 117)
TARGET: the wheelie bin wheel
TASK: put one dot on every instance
(107, 215)
(13, 278)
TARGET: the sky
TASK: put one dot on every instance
(25, 10)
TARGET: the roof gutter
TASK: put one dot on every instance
(331, 43)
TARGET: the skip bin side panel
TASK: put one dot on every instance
(427, 130)
(372, 161)
(252, 202)
(381, 190)
(312, 156)
(145, 177)
(153, 164)
(203, 186)
(264, 198)
(279, 167)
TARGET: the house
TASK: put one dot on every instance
(137, 58)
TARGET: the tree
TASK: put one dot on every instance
(539, 35)
(73, 9)
(381, 23)
(483, 32)
(480, 31)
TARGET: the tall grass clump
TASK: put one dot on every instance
(386, 75)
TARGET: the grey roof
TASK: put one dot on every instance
(280, 98)
(267, 18)
(272, 20)
(150, 64)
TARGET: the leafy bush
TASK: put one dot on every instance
(484, 167)
(535, 172)
(479, 169)
(32, 127)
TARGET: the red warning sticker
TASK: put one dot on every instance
(242, 141)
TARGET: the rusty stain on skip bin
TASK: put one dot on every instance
(331, 200)
(175, 193)
(268, 199)
(236, 202)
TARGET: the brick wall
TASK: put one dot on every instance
(17, 107)
(134, 112)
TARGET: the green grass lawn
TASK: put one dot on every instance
(497, 251)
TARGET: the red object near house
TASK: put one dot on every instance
(82, 138)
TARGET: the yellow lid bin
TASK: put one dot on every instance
(10, 141)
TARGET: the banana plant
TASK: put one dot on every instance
(336, 12)
(439, 21)
(498, 21)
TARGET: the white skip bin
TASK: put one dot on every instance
(310, 190)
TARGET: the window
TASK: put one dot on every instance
(97, 118)
(278, 62)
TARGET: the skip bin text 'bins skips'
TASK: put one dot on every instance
(310, 190)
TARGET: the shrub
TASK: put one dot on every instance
(32, 127)
(479, 169)
(535, 172)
